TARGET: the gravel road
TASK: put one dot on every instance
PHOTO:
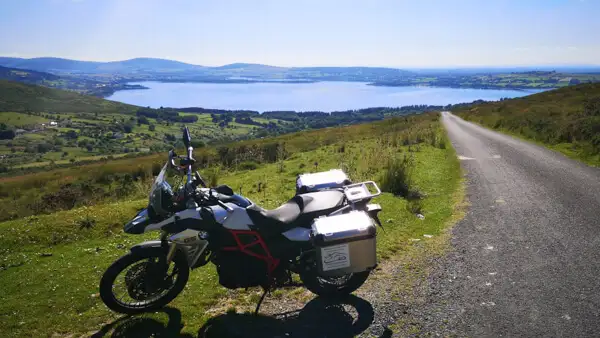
(526, 259)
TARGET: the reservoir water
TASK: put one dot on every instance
(317, 96)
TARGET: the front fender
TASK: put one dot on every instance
(145, 245)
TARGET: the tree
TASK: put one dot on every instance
(71, 134)
(7, 134)
(44, 147)
(151, 127)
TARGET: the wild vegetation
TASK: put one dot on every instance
(51, 263)
(566, 119)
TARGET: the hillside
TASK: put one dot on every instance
(26, 76)
(18, 97)
(59, 65)
(566, 119)
(169, 70)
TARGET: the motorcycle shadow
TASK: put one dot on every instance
(347, 317)
(319, 318)
(145, 326)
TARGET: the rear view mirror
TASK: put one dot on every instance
(187, 139)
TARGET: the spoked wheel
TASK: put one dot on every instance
(142, 281)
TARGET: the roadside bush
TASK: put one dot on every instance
(396, 178)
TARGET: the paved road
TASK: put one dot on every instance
(527, 254)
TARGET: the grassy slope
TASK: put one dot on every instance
(566, 119)
(20, 97)
(23, 195)
(20, 119)
(58, 294)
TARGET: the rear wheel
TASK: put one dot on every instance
(333, 287)
(142, 281)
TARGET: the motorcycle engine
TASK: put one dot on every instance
(238, 270)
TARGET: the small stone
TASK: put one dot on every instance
(46, 254)
(427, 236)
(420, 216)
(120, 246)
(389, 220)
(414, 239)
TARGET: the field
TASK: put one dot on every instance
(37, 145)
(51, 264)
(566, 119)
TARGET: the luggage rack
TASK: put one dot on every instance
(358, 192)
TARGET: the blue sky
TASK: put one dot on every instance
(400, 33)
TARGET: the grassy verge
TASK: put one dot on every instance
(575, 151)
(51, 264)
(566, 120)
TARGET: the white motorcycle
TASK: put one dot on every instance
(325, 234)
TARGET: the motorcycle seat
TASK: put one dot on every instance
(298, 211)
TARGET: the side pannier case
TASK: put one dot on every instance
(334, 178)
(345, 243)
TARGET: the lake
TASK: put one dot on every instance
(317, 96)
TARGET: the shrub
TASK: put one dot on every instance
(212, 176)
(86, 223)
(248, 165)
(396, 178)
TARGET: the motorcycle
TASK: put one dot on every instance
(326, 234)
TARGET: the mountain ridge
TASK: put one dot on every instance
(63, 64)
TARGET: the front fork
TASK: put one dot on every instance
(171, 245)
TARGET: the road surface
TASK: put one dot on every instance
(526, 259)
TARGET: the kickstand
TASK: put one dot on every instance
(261, 300)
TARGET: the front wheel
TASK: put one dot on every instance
(142, 281)
(333, 287)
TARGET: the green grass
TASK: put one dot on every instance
(20, 119)
(58, 294)
(23, 97)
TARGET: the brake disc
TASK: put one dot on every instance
(141, 282)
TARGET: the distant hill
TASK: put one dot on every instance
(567, 119)
(161, 69)
(19, 97)
(50, 64)
(26, 76)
